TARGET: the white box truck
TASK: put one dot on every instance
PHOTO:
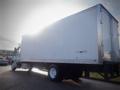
(83, 42)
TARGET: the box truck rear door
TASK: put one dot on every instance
(115, 40)
(106, 35)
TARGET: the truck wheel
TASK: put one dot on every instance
(54, 73)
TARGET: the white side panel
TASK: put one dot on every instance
(71, 40)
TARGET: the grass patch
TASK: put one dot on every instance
(116, 79)
(98, 76)
(95, 75)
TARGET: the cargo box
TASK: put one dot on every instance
(86, 37)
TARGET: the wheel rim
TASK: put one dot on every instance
(53, 73)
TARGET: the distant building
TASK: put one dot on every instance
(6, 53)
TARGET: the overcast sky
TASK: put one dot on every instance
(20, 16)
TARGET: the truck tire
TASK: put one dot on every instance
(54, 73)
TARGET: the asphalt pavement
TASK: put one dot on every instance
(22, 80)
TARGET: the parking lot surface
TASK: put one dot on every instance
(22, 80)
